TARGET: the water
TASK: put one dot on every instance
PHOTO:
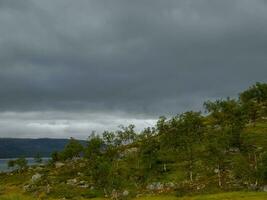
(4, 166)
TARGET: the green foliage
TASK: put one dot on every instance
(72, 149)
(126, 135)
(241, 169)
(254, 101)
(94, 147)
(64, 191)
(89, 194)
(20, 163)
(216, 151)
(38, 158)
(55, 156)
(263, 167)
(11, 163)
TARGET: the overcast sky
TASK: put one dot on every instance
(69, 67)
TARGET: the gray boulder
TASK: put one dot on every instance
(155, 186)
(72, 181)
(59, 164)
(36, 177)
(125, 193)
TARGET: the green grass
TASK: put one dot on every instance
(15, 197)
(22, 197)
(220, 196)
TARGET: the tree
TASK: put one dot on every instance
(254, 101)
(100, 170)
(55, 156)
(94, 148)
(257, 92)
(242, 169)
(38, 158)
(126, 135)
(148, 150)
(216, 145)
(109, 138)
(162, 125)
(11, 163)
(20, 163)
(263, 168)
(226, 122)
(228, 116)
(72, 149)
(191, 131)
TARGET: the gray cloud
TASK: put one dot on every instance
(138, 58)
(62, 124)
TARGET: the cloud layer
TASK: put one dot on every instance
(122, 61)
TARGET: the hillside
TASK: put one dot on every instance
(219, 155)
(13, 148)
(70, 179)
(221, 196)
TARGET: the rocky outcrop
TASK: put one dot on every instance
(36, 177)
(59, 164)
(160, 187)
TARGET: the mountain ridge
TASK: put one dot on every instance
(29, 147)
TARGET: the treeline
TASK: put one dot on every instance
(191, 147)
(17, 147)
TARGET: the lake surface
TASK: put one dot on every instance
(4, 166)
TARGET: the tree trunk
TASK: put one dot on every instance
(255, 160)
(191, 175)
(219, 177)
(164, 167)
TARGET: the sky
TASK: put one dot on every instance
(68, 68)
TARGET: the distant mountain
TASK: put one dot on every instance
(12, 148)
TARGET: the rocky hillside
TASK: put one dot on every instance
(224, 150)
(70, 179)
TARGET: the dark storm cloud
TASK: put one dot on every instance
(144, 58)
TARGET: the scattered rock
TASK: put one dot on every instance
(92, 188)
(59, 164)
(155, 186)
(200, 187)
(253, 187)
(80, 174)
(48, 189)
(26, 188)
(170, 185)
(83, 184)
(114, 194)
(72, 181)
(234, 150)
(36, 177)
(125, 193)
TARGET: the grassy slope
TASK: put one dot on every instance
(221, 196)
(11, 186)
